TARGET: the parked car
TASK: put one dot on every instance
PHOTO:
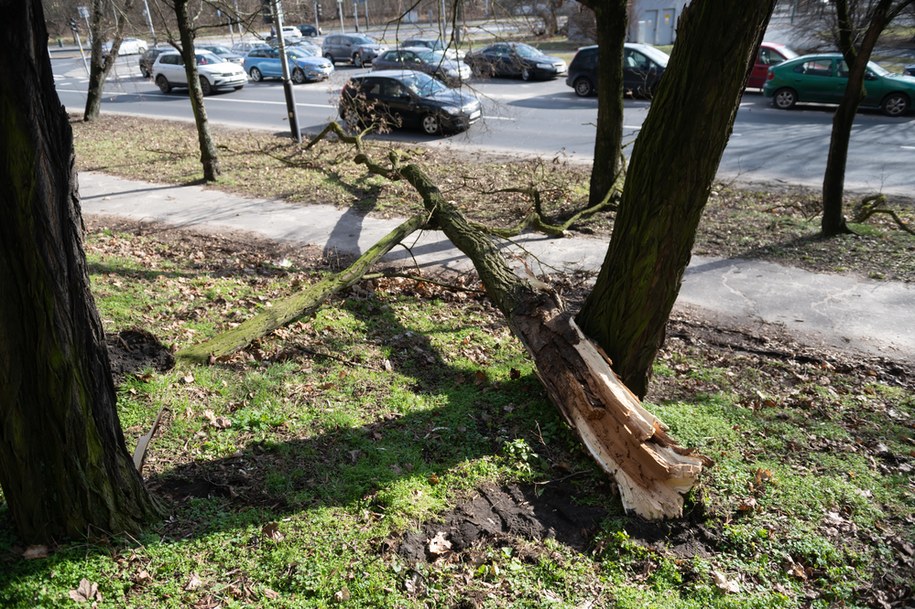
(216, 74)
(222, 51)
(643, 66)
(823, 78)
(434, 63)
(909, 70)
(434, 44)
(514, 59)
(304, 65)
(242, 48)
(770, 54)
(407, 98)
(309, 30)
(148, 58)
(355, 48)
(129, 46)
(289, 31)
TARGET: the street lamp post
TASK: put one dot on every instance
(291, 111)
(146, 12)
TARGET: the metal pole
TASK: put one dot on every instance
(340, 13)
(287, 84)
(81, 53)
(356, 13)
(152, 30)
(317, 24)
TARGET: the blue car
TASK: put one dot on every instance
(305, 65)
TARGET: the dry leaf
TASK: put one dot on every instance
(439, 545)
(342, 595)
(724, 584)
(271, 531)
(271, 594)
(33, 552)
(193, 583)
(87, 591)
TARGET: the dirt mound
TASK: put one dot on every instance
(133, 351)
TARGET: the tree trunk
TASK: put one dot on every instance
(833, 221)
(64, 467)
(608, 138)
(673, 164)
(208, 157)
(99, 65)
(628, 442)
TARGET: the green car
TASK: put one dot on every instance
(822, 78)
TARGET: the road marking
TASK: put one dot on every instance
(633, 127)
(153, 95)
(908, 147)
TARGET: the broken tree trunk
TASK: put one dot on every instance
(627, 441)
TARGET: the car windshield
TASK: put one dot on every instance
(302, 52)
(206, 58)
(423, 84)
(659, 57)
(528, 51)
(431, 57)
(878, 70)
(432, 44)
(219, 51)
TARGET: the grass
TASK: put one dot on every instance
(295, 471)
(315, 468)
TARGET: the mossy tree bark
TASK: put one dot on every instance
(64, 467)
(856, 54)
(611, 20)
(673, 164)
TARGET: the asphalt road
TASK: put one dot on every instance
(547, 119)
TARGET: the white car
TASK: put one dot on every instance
(129, 46)
(216, 74)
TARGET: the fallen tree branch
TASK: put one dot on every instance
(870, 205)
(299, 305)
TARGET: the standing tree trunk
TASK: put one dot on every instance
(608, 138)
(208, 156)
(100, 65)
(673, 164)
(64, 467)
(833, 221)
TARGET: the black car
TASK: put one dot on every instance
(407, 98)
(309, 30)
(148, 58)
(514, 59)
(643, 66)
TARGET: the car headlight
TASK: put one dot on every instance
(452, 110)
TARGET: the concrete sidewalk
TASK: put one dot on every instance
(847, 312)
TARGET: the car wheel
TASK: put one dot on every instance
(329, 57)
(163, 83)
(205, 87)
(583, 87)
(784, 99)
(479, 71)
(895, 104)
(357, 60)
(431, 124)
(256, 75)
(298, 76)
(145, 73)
(351, 118)
(525, 74)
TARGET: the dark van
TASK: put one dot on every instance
(643, 66)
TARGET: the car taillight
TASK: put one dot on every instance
(770, 75)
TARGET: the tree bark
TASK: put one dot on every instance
(611, 17)
(670, 174)
(64, 467)
(208, 156)
(99, 65)
(833, 221)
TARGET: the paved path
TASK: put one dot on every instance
(875, 317)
